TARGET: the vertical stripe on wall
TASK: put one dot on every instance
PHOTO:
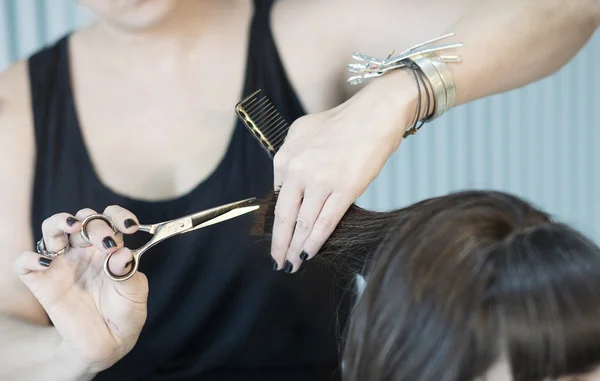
(541, 142)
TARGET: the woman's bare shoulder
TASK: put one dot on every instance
(16, 122)
(14, 95)
(17, 157)
(17, 142)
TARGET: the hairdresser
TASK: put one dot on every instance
(136, 111)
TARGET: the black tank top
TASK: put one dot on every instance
(216, 310)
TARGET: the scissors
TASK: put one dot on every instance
(164, 230)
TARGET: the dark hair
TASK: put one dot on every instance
(456, 283)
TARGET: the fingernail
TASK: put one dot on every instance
(303, 256)
(275, 265)
(288, 267)
(71, 221)
(108, 242)
(45, 261)
(129, 223)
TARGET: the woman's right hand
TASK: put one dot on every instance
(98, 319)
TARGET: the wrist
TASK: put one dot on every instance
(398, 95)
(70, 366)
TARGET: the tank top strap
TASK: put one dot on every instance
(263, 7)
(53, 124)
(47, 87)
(265, 69)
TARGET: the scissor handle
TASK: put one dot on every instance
(136, 256)
(135, 262)
(160, 233)
(92, 217)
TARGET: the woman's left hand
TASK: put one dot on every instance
(327, 162)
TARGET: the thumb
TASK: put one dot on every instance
(125, 309)
(134, 289)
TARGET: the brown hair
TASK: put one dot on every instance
(456, 283)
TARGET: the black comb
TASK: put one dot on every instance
(264, 121)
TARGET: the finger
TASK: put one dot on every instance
(121, 261)
(286, 212)
(76, 240)
(334, 209)
(55, 229)
(102, 236)
(124, 220)
(312, 204)
(279, 168)
(30, 261)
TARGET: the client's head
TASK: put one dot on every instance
(477, 285)
(473, 285)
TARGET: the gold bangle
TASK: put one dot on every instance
(436, 83)
(446, 75)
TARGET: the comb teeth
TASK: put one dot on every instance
(264, 121)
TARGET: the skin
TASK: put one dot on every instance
(330, 157)
(501, 372)
(328, 161)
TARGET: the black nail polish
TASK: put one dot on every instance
(45, 261)
(129, 223)
(303, 256)
(288, 267)
(71, 221)
(108, 242)
(275, 265)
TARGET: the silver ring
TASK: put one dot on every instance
(40, 248)
(89, 219)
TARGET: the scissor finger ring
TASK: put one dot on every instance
(132, 270)
(89, 219)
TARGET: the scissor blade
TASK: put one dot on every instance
(227, 216)
(223, 213)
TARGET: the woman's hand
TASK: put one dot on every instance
(98, 319)
(328, 161)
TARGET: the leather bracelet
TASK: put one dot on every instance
(427, 68)
(422, 89)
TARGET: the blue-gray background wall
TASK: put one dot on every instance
(540, 142)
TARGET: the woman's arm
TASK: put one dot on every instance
(17, 160)
(330, 158)
(31, 352)
(30, 349)
(507, 43)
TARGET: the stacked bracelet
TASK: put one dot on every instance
(431, 72)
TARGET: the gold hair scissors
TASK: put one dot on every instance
(164, 230)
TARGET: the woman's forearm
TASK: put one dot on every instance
(30, 353)
(507, 44)
(510, 43)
